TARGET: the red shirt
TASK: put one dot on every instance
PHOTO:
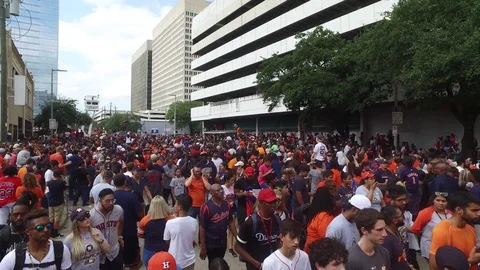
(8, 186)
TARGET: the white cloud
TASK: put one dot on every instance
(105, 40)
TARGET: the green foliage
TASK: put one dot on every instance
(184, 119)
(315, 79)
(121, 122)
(65, 112)
(431, 49)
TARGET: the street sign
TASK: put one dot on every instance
(52, 124)
(155, 131)
(397, 118)
(394, 131)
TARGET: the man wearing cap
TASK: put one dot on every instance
(208, 167)
(246, 189)
(369, 189)
(343, 227)
(163, 261)
(258, 237)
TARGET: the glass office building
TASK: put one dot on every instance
(35, 33)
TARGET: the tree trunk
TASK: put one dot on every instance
(467, 116)
(467, 139)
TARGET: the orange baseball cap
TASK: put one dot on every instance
(163, 261)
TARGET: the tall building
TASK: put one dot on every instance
(233, 37)
(141, 89)
(172, 56)
(36, 37)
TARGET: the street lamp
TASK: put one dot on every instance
(174, 115)
(51, 93)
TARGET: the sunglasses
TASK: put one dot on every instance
(41, 227)
(87, 215)
(444, 194)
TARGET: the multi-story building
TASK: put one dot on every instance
(141, 80)
(36, 37)
(20, 95)
(231, 39)
(172, 56)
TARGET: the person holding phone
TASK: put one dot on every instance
(368, 187)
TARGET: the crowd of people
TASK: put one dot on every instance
(272, 201)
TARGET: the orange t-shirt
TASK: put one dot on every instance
(392, 167)
(57, 157)
(317, 228)
(337, 177)
(197, 191)
(22, 172)
(444, 234)
(37, 191)
(231, 163)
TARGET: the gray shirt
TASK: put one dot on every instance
(169, 173)
(108, 227)
(22, 157)
(90, 259)
(343, 230)
(96, 190)
(316, 177)
(358, 260)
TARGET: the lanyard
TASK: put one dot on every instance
(267, 233)
(441, 219)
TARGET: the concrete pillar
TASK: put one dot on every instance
(256, 126)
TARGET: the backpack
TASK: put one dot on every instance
(5, 233)
(255, 227)
(20, 252)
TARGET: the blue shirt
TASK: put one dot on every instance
(411, 177)
(131, 207)
(214, 219)
(76, 161)
(476, 190)
(445, 183)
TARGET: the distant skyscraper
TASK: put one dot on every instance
(141, 81)
(171, 55)
(36, 37)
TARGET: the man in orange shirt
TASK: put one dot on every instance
(457, 231)
(197, 186)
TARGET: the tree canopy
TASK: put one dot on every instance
(427, 48)
(65, 112)
(121, 122)
(184, 119)
(431, 49)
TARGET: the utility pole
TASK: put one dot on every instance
(110, 108)
(4, 72)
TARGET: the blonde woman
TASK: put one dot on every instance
(84, 242)
(152, 226)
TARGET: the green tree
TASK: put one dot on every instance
(431, 49)
(314, 80)
(121, 122)
(184, 119)
(65, 112)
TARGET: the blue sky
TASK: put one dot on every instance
(97, 39)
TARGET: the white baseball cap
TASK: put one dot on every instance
(239, 164)
(360, 201)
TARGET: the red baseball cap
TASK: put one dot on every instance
(267, 195)
(162, 261)
(367, 174)
(249, 171)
